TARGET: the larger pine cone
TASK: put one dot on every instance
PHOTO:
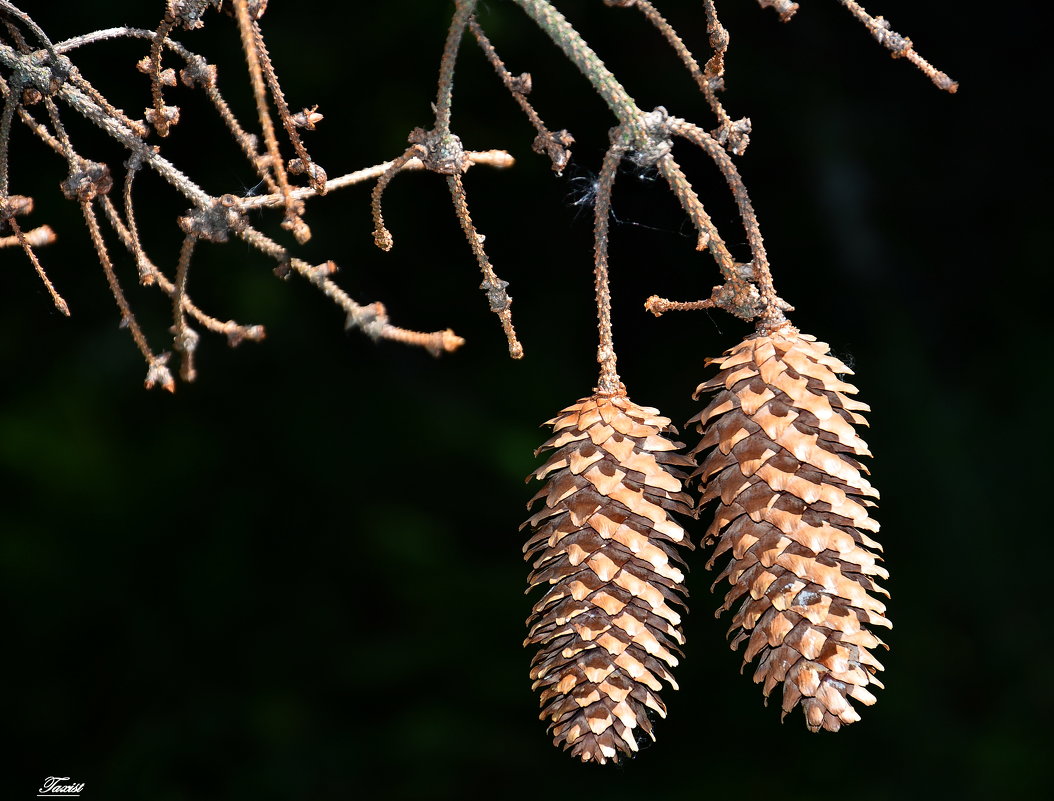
(605, 543)
(791, 510)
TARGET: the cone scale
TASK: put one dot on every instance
(604, 544)
(780, 473)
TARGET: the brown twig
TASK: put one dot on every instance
(157, 365)
(771, 305)
(785, 8)
(9, 207)
(161, 120)
(293, 209)
(38, 237)
(316, 175)
(27, 247)
(899, 46)
(382, 237)
(185, 339)
(608, 383)
(444, 97)
(733, 134)
(499, 159)
(498, 299)
(147, 272)
(8, 114)
(373, 318)
(547, 143)
(235, 332)
(659, 306)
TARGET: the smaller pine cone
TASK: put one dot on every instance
(791, 511)
(605, 544)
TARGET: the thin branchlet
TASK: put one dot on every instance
(710, 79)
(445, 96)
(6, 117)
(164, 28)
(382, 237)
(771, 307)
(556, 144)
(373, 318)
(315, 174)
(157, 369)
(499, 159)
(493, 287)
(27, 245)
(785, 8)
(147, 272)
(899, 46)
(11, 10)
(293, 209)
(36, 238)
(739, 294)
(608, 383)
(235, 332)
(185, 339)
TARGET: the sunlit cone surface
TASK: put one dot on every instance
(791, 511)
(604, 545)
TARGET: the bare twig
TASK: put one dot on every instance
(494, 288)
(185, 338)
(659, 306)
(608, 383)
(293, 209)
(157, 365)
(463, 13)
(785, 8)
(37, 238)
(498, 159)
(547, 143)
(733, 134)
(899, 46)
(161, 119)
(373, 318)
(564, 35)
(316, 175)
(771, 305)
(382, 237)
(27, 246)
(741, 296)
(235, 332)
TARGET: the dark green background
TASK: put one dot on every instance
(300, 577)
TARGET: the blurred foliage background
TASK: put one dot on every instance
(301, 577)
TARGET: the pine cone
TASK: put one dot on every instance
(605, 544)
(790, 508)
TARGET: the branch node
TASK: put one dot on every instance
(158, 374)
(169, 116)
(307, 119)
(166, 76)
(441, 152)
(316, 176)
(784, 8)
(216, 221)
(198, 72)
(497, 298)
(734, 136)
(87, 181)
(651, 137)
(188, 13)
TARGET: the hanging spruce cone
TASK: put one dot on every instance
(792, 513)
(605, 544)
